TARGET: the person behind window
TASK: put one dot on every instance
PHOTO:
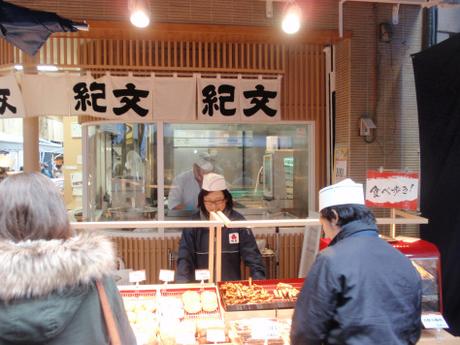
(44, 170)
(360, 290)
(48, 273)
(237, 244)
(57, 166)
(187, 185)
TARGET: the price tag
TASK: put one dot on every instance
(265, 330)
(167, 276)
(136, 276)
(434, 321)
(185, 338)
(202, 275)
(215, 335)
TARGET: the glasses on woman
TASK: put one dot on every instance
(218, 202)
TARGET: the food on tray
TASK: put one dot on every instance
(136, 304)
(168, 330)
(238, 293)
(262, 331)
(424, 274)
(171, 307)
(209, 301)
(285, 291)
(192, 302)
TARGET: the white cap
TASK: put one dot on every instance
(344, 192)
(214, 182)
(204, 161)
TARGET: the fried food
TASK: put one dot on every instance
(237, 293)
(285, 291)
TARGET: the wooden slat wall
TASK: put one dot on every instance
(152, 254)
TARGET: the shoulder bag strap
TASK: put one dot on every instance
(108, 315)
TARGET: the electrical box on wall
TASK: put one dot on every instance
(365, 126)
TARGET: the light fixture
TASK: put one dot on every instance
(292, 18)
(139, 13)
(47, 68)
(41, 68)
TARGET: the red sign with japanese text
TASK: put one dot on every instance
(390, 189)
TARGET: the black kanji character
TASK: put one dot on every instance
(130, 97)
(375, 191)
(260, 98)
(82, 96)
(4, 93)
(209, 100)
(230, 90)
(98, 95)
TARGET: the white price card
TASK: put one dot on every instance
(185, 338)
(166, 275)
(265, 330)
(202, 275)
(215, 335)
(136, 276)
(434, 321)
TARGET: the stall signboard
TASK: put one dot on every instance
(11, 101)
(174, 98)
(143, 99)
(238, 100)
(392, 189)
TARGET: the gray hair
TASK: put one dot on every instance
(32, 208)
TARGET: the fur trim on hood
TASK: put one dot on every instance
(37, 268)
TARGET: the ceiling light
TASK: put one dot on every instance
(292, 18)
(139, 13)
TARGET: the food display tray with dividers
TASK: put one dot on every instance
(240, 302)
(159, 291)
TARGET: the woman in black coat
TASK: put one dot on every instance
(237, 244)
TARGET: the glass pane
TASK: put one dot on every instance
(428, 270)
(122, 172)
(265, 166)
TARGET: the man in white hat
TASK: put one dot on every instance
(187, 185)
(360, 290)
(237, 244)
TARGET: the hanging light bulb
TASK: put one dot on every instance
(292, 18)
(140, 14)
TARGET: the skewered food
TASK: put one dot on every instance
(237, 293)
(285, 291)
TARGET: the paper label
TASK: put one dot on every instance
(166, 275)
(434, 321)
(202, 275)
(185, 338)
(136, 276)
(266, 330)
(215, 336)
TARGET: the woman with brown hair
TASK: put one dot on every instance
(48, 273)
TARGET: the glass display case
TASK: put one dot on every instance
(426, 259)
(239, 152)
(121, 172)
(129, 176)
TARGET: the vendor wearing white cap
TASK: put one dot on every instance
(360, 290)
(237, 244)
(187, 185)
